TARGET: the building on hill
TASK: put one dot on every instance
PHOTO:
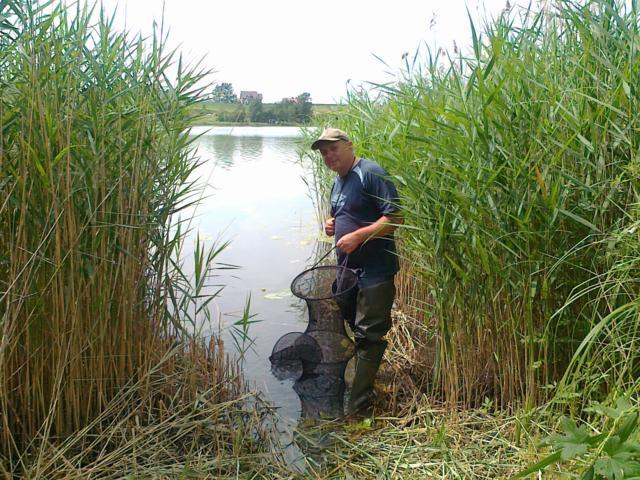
(248, 96)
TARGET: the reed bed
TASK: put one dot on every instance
(517, 161)
(102, 373)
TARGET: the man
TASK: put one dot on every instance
(364, 214)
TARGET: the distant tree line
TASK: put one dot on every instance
(223, 93)
(297, 109)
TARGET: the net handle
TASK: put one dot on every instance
(343, 264)
(323, 257)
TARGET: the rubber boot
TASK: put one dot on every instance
(367, 363)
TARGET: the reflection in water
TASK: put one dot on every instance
(250, 148)
(222, 148)
(317, 358)
(227, 150)
(254, 197)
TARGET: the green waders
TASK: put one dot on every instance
(372, 322)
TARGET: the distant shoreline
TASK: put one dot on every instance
(208, 113)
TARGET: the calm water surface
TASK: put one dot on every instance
(256, 198)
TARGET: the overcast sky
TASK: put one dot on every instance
(282, 48)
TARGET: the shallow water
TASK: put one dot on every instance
(256, 198)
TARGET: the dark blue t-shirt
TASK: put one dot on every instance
(359, 199)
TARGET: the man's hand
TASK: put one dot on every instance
(329, 226)
(381, 227)
(350, 242)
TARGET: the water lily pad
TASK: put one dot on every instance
(278, 295)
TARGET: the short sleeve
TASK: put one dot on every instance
(382, 191)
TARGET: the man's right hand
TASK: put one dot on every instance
(329, 226)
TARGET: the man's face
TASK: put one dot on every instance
(338, 156)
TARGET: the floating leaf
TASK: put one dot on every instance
(278, 295)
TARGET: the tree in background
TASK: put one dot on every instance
(294, 109)
(304, 109)
(223, 93)
(285, 111)
(255, 111)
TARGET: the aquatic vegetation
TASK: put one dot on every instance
(518, 169)
(517, 162)
(102, 369)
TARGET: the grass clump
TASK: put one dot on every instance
(100, 373)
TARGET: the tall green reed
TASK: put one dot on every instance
(95, 161)
(516, 162)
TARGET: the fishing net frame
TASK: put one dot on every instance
(306, 284)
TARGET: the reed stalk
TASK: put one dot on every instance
(98, 365)
(517, 162)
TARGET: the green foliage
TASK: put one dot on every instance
(254, 111)
(190, 296)
(240, 328)
(304, 111)
(95, 164)
(575, 441)
(613, 454)
(223, 93)
(236, 115)
(298, 110)
(292, 111)
(518, 169)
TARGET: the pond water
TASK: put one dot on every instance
(256, 198)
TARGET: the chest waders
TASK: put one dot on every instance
(371, 322)
(367, 310)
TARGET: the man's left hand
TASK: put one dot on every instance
(349, 242)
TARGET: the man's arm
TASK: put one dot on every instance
(381, 227)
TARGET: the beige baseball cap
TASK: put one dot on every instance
(330, 135)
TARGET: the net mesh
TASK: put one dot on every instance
(322, 283)
(317, 357)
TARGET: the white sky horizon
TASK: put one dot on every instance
(283, 48)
